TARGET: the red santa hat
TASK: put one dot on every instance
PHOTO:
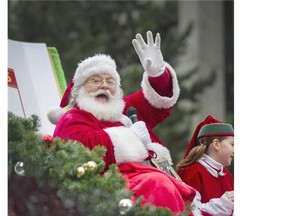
(193, 142)
(97, 64)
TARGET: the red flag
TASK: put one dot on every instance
(12, 79)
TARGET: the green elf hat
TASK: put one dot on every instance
(216, 129)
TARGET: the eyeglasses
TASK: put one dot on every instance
(98, 81)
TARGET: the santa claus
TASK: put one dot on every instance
(97, 116)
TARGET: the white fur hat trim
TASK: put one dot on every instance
(97, 64)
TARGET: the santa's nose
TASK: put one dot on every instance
(104, 85)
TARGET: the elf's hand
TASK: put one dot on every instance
(140, 129)
(150, 54)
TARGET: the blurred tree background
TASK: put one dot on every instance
(79, 29)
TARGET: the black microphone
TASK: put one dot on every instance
(132, 114)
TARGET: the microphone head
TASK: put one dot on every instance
(131, 111)
(132, 114)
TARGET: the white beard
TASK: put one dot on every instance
(109, 111)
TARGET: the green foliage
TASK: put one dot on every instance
(18, 128)
(53, 166)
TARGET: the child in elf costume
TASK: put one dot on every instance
(203, 167)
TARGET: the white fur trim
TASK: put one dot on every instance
(160, 150)
(195, 209)
(125, 120)
(54, 114)
(96, 64)
(154, 98)
(127, 146)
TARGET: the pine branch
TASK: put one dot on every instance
(51, 180)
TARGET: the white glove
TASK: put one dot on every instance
(140, 129)
(150, 54)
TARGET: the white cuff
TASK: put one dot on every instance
(127, 146)
(216, 206)
(160, 150)
(154, 98)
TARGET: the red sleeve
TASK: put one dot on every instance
(162, 84)
(145, 111)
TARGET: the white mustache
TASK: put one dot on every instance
(101, 91)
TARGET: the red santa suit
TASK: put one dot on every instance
(211, 180)
(154, 104)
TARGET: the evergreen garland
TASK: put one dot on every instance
(51, 184)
